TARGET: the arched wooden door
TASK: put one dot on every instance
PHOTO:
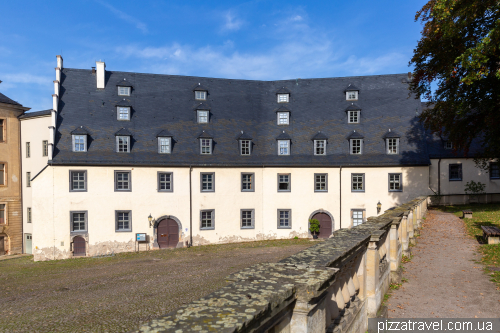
(325, 225)
(79, 248)
(168, 233)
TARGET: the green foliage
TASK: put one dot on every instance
(404, 280)
(313, 225)
(474, 188)
(395, 286)
(459, 51)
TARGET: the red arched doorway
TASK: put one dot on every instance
(168, 233)
(325, 224)
(79, 248)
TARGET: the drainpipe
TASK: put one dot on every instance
(340, 191)
(190, 209)
(439, 177)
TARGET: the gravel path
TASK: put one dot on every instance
(116, 294)
(444, 279)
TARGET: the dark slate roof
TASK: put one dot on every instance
(283, 90)
(351, 87)
(353, 107)
(167, 101)
(124, 102)
(204, 134)
(283, 136)
(164, 133)
(35, 114)
(200, 87)
(319, 136)
(355, 135)
(123, 132)
(80, 131)
(124, 83)
(244, 136)
(283, 108)
(391, 134)
(6, 100)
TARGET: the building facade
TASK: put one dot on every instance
(11, 225)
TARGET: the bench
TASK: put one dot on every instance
(492, 234)
(467, 214)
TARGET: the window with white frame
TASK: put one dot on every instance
(80, 143)
(245, 147)
(207, 219)
(353, 117)
(448, 145)
(123, 91)
(123, 113)
(123, 220)
(3, 214)
(165, 182)
(319, 147)
(455, 172)
(356, 146)
(284, 218)
(79, 221)
(247, 182)
(494, 170)
(205, 146)
(392, 145)
(123, 144)
(352, 95)
(357, 217)
(78, 180)
(164, 146)
(320, 182)
(207, 182)
(123, 181)
(200, 95)
(357, 182)
(284, 182)
(202, 116)
(283, 98)
(395, 183)
(247, 218)
(283, 118)
(283, 147)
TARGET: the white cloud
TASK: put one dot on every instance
(25, 78)
(297, 18)
(231, 22)
(124, 16)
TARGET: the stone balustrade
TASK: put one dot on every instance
(333, 286)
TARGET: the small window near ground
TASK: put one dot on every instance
(283, 98)
(455, 172)
(79, 143)
(357, 217)
(207, 182)
(122, 144)
(200, 95)
(284, 182)
(28, 214)
(165, 182)
(352, 95)
(245, 147)
(45, 148)
(123, 91)
(356, 146)
(353, 117)
(283, 118)
(320, 182)
(284, 218)
(78, 221)
(283, 147)
(395, 182)
(28, 150)
(392, 146)
(78, 181)
(202, 116)
(123, 113)
(28, 179)
(494, 170)
(247, 218)
(205, 146)
(207, 219)
(319, 147)
(3, 215)
(123, 220)
(123, 181)
(247, 182)
(358, 182)
(164, 145)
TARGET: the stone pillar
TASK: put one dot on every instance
(404, 236)
(361, 274)
(419, 215)
(416, 232)
(373, 274)
(309, 318)
(411, 236)
(395, 252)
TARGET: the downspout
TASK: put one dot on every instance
(340, 192)
(190, 209)
(439, 177)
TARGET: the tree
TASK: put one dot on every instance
(460, 52)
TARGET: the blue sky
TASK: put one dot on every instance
(263, 40)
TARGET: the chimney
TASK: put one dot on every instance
(101, 74)
(59, 61)
(93, 70)
(409, 76)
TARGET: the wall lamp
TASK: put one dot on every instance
(379, 207)
(151, 220)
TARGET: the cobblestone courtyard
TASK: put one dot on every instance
(115, 294)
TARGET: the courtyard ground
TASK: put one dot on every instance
(450, 274)
(116, 294)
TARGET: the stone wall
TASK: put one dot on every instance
(333, 286)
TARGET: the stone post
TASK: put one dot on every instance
(373, 274)
(404, 236)
(416, 232)
(395, 252)
(309, 317)
(411, 236)
(361, 273)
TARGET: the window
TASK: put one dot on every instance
(494, 171)
(78, 181)
(283, 147)
(78, 221)
(3, 214)
(45, 148)
(320, 182)
(455, 171)
(395, 183)
(79, 143)
(202, 116)
(123, 220)
(123, 113)
(352, 95)
(448, 145)
(284, 218)
(319, 147)
(245, 146)
(123, 91)
(206, 146)
(2, 128)
(164, 145)
(284, 184)
(207, 182)
(247, 219)
(358, 182)
(247, 182)
(122, 144)
(353, 117)
(392, 145)
(283, 118)
(28, 150)
(123, 181)
(356, 146)
(165, 182)
(357, 217)
(28, 214)
(2, 174)
(207, 218)
(200, 95)
(283, 98)
(28, 179)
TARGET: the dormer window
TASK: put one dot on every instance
(122, 144)
(123, 113)
(123, 91)
(80, 143)
(245, 146)
(353, 117)
(319, 147)
(164, 145)
(283, 118)
(352, 95)
(283, 98)
(200, 95)
(202, 116)
(356, 146)
(283, 147)
(392, 146)
(206, 146)
(448, 145)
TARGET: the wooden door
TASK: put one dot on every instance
(2, 249)
(79, 248)
(325, 225)
(167, 234)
